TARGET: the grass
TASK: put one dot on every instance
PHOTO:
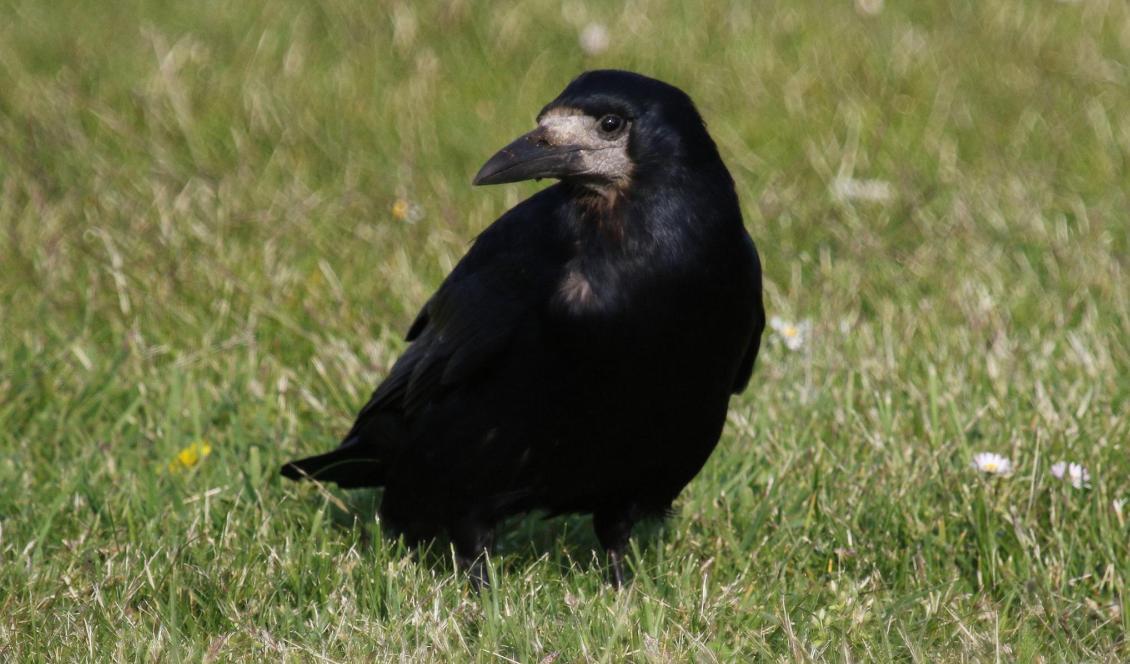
(198, 245)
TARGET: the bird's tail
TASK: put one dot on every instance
(351, 465)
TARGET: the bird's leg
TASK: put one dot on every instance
(613, 528)
(472, 543)
(616, 576)
(477, 571)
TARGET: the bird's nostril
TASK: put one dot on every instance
(542, 143)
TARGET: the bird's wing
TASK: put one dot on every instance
(469, 321)
(745, 369)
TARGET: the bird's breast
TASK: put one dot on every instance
(575, 291)
(585, 290)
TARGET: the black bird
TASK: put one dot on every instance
(580, 358)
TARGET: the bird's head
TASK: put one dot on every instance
(606, 130)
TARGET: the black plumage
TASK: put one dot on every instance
(581, 356)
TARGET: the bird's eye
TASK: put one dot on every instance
(610, 124)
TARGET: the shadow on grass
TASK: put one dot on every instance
(566, 543)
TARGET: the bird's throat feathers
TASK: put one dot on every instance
(602, 210)
(613, 242)
(642, 217)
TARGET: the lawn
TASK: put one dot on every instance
(217, 220)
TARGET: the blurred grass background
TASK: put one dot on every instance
(217, 220)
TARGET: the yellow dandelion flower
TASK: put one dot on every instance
(405, 210)
(190, 456)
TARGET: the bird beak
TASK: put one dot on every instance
(531, 156)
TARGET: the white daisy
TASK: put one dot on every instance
(1072, 472)
(993, 464)
(869, 7)
(794, 335)
(595, 39)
